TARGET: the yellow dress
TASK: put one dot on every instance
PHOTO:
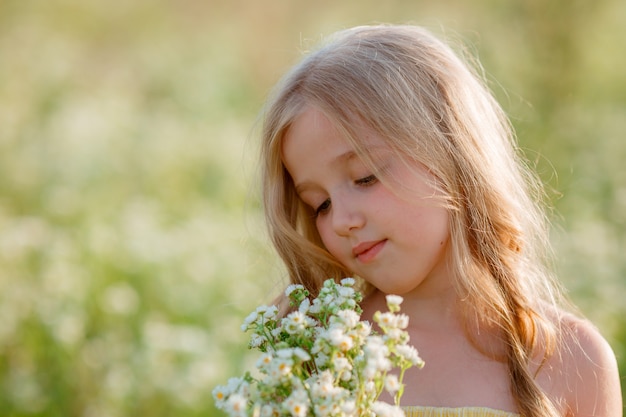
(419, 411)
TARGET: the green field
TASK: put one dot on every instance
(131, 242)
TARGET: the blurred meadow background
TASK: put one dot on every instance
(131, 242)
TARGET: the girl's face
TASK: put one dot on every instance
(396, 243)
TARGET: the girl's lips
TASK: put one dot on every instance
(367, 251)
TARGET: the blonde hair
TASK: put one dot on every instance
(430, 107)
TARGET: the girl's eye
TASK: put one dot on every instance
(322, 208)
(363, 182)
(369, 180)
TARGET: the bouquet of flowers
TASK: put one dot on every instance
(321, 359)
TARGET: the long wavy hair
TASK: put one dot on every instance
(432, 108)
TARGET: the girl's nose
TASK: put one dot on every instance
(346, 217)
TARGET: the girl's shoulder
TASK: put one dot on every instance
(582, 374)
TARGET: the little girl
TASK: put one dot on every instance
(385, 158)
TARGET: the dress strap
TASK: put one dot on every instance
(419, 411)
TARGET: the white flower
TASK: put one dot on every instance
(363, 329)
(280, 367)
(297, 404)
(387, 319)
(348, 317)
(390, 320)
(341, 363)
(340, 339)
(348, 407)
(402, 321)
(375, 345)
(323, 384)
(410, 354)
(330, 301)
(270, 312)
(324, 409)
(220, 393)
(269, 410)
(304, 306)
(346, 293)
(251, 318)
(291, 288)
(236, 405)
(393, 302)
(295, 322)
(395, 334)
(345, 376)
(370, 386)
(286, 353)
(264, 361)
(315, 308)
(321, 359)
(392, 384)
(386, 410)
(376, 366)
(256, 340)
(301, 354)
(377, 356)
(348, 282)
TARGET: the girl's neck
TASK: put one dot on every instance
(427, 311)
(441, 316)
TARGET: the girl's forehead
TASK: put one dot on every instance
(353, 130)
(313, 126)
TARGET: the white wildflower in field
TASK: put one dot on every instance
(320, 359)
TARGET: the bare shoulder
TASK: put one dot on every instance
(587, 369)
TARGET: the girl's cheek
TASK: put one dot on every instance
(323, 232)
(327, 238)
